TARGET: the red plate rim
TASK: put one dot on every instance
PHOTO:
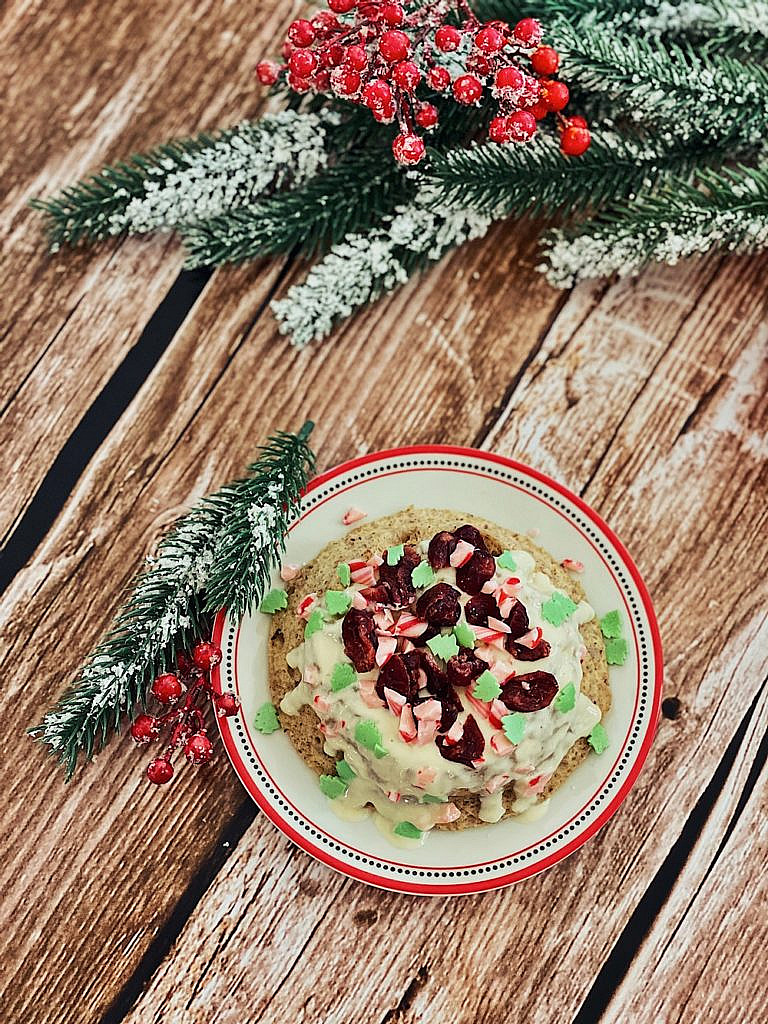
(498, 881)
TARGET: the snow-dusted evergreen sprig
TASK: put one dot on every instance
(364, 266)
(725, 25)
(729, 210)
(191, 180)
(207, 561)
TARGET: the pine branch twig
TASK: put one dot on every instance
(240, 528)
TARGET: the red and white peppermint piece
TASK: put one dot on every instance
(363, 575)
(488, 636)
(384, 620)
(511, 585)
(407, 646)
(454, 734)
(375, 561)
(367, 687)
(409, 625)
(480, 706)
(449, 813)
(358, 601)
(478, 761)
(353, 515)
(393, 795)
(501, 745)
(498, 625)
(531, 639)
(498, 710)
(289, 572)
(573, 564)
(429, 711)
(395, 701)
(386, 648)
(407, 727)
(306, 605)
(425, 777)
(426, 732)
(489, 587)
(461, 554)
(506, 604)
(321, 703)
(496, 782)
(311, 675)
(538, 783)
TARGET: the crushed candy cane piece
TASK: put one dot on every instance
(386, 648)
(454, 734)
(375, 561)
(306, 605)
(321, 703)
(384, 620)
(393, 795)
(407, 645)
(531, 639)
(358, 601)
(395, 701)
(353, 515)
(501, 745)
(448, 814)
(407, 727)
(425, 777)
(426, 732)
(368, 695)
(496, 713)
(573, 564)
(538, 783)
(497, 624)
(488, 636)
(409, 625)
(364, 576)
(496, 782)
(461, 554)
(429, 711)
(289, 572)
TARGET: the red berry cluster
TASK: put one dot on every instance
(374, 53)
(184, 721)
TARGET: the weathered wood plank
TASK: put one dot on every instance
(427, 364)
(533, 951)
(86, 84)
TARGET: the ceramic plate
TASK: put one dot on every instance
(475, 859)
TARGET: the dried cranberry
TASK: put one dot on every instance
(541, 650)
(436, 678)
(440, 550)
(375, 595)
(478, 608)
(517, 620)
(439, 605)
(471, 536)
(469, 747)
(358, 632)
(401, 674)
(530, 692)
(464, 668)
(397, 578)
(477, 571)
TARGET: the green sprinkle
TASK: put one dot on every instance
(315, 623)
(343, 675)
(406, 829)
(344, 771)
(610, 625)
(616, 650)
(558, 608)
(380, 751)
(274, 601)
(394, 554)
(337, 601)
(443, 646)
(464, 635)
(332, 787)
(506, 561)
(598, 739)
(266, 720)
(566, 699)
(367, 734)
(514, 727)
(342, 571)
(487, 686)
(429, 799)
(422, 575)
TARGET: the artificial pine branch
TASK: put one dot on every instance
(168, 605)
(727, 210)
(350, 196)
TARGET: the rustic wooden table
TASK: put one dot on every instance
(130, 389)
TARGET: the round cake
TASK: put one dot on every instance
(437, 670)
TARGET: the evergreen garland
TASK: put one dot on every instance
(219, 554)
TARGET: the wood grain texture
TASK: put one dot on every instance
(661, 419)
(195, 423)
(86, 84)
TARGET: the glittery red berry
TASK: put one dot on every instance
(545, 60)
(392, 14)
(301, 32)
(498, 129)
(160, 771)
(333, 55)
(394, 45)
(357, 58)
(489, 40)
(206, 654)
(324, 23)
(577, 121)
(408, 149)
(575, 140)
(522, 125)
(528, 32)
(166, 688)
(342, 6)
(539, 110)
(298, 84)
(555, 95)
(302, 63)
(467, 89)
(509, 78)
(426, 115)
(144, 728)
(376, 93)
(438, 78)
(267, 71)
(344, 81)
(447, 38)
(198, 749)
(406, 75)
(227, 704)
